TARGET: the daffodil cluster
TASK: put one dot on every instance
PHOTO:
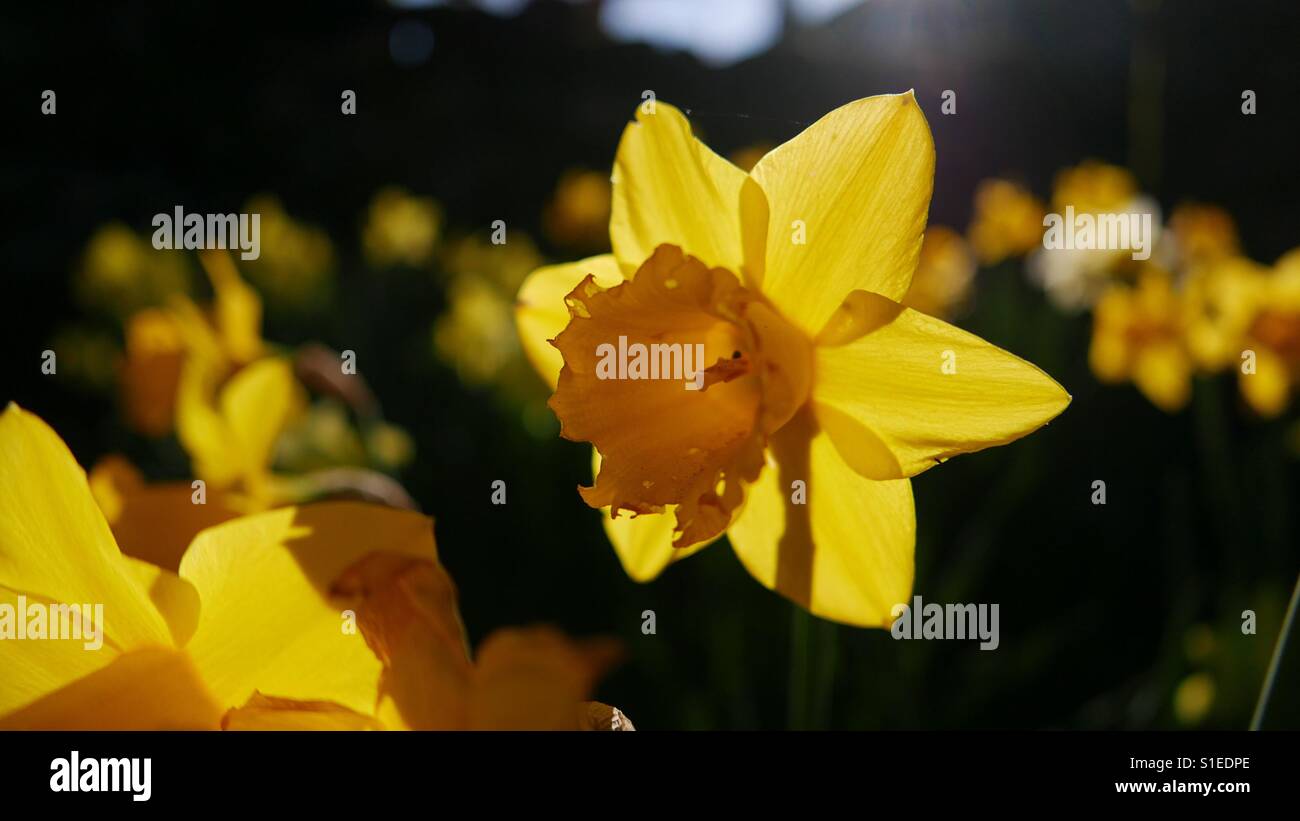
(336, 615)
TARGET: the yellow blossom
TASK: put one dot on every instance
(1269, 364)
(401, 229)
(233, 401)
(242, 630)
(1008, 221)
(1194, 698)
(824, 395)
(1223, 298)
(1093, 187)
(121, 272)
(1138, 336)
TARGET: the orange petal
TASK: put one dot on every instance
(151, 373)
(154, 522)
(268, 713)
(407, 613)
(534, 679)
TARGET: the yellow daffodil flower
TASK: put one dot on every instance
(944, 274)
(250, 628)
(156, 521)
(233, 400)
(1223, 299)
(401, 229)
(1273, 341)
(577, 216)
(820, 395)
(1201, 234)
(1138, 335)
(1093, 187)
(1008, 221)
(122, 273)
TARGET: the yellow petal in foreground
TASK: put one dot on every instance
(540, 312)
(33, 669)
(151, 688)
(530, 678)
(54, 542)
(913, 391)
(847, 203)
(671, 188)
(837, 544)
(268, 623)
(155, 521)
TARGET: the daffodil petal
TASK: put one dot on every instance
(644, 544)
(268, 622)
(1162, 371)
(175, 598)
(406, 609)
(540, 312)
(914, 390)
(257, 403)
(147, 689)
(237, 308)
(155, 522)
(670, 188)
(847, 202)
(203, 432)
(846, 552)
(54, 541)
(1269, 387)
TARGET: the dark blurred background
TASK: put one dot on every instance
(1105, 610)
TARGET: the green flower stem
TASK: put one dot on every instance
(1270, 678)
